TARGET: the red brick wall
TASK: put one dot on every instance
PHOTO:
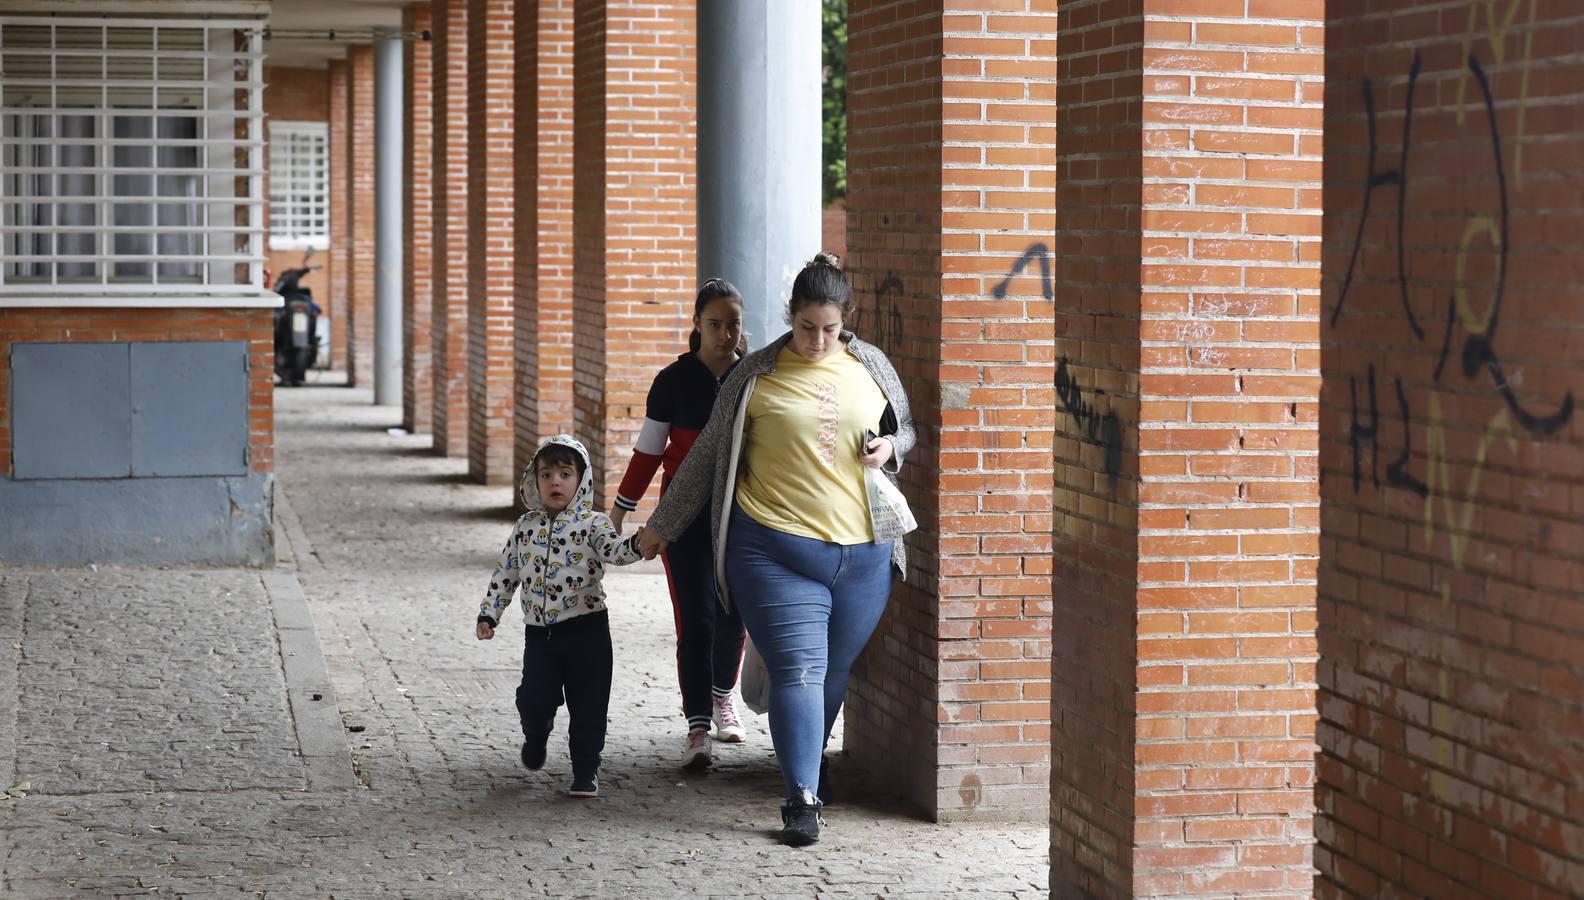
(543, 328)
(1452, 590)
(294, 94)
(417, 221)
(893, 258)
(1094, 652)
(340, 256)
(491, 270)
(1228, 513)
(634, 256)
(1184, 574)
(996, 335)
(947, 244)
(358, 322)
(256, 326)
(833, 228)
(448, 307)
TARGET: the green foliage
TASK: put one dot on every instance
(834, 39)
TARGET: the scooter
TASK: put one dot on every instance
(296, 325)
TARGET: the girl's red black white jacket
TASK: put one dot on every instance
(679, 407)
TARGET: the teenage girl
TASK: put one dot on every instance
(709, 638)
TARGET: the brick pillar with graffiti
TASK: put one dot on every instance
(1451, 614)
(1186, 497)
(949, 254)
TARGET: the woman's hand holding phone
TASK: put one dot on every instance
(876, 451)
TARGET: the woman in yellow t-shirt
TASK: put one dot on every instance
(798, 549)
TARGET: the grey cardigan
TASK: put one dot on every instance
(710, 469)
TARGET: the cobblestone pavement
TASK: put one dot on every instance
(167, 753)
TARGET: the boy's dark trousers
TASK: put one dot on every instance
(571, 660)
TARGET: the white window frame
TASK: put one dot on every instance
(216, 249)
(299, 185)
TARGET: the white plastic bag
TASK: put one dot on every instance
(755, 680)
(888, 509)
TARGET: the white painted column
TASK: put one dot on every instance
(759, 150)
(389, 280)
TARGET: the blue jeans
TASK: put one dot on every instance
(810, 607)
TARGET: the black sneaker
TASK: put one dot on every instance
(584, 786)
(533, 754)
(800, 823)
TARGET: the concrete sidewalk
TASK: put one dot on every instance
(331, 727)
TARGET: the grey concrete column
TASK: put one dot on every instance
(388, 275)
(759, 150)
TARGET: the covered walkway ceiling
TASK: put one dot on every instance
(351, 18)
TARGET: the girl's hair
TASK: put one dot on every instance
(821, 281)
(709, 292)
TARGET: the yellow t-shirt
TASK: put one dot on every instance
(805, 427)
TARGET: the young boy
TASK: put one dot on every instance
(557, 554)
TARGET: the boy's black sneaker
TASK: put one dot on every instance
(800, 823)
(533, 754)
(584, 786)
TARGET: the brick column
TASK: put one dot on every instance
(491, 270)
(448, 306)
(418, 221)
(961, 662)
(359, 310)
(543, 326)
(633, 216)
(1184, 535)
(1451, 611)
(894, 247)
(340, 213)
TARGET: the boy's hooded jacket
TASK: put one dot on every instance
(558, 560)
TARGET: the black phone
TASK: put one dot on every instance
(868, 438)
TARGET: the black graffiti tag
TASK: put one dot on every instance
(1479, 350)
(1360, 434)
(1479, 347)
(888, 316)
(1034, 252)
(1102, 429)
(1398, 177)
(1397, 470)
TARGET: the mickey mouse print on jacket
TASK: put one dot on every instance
(559, 560)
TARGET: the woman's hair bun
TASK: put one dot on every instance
(826, 258)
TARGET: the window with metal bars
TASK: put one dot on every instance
(299, 185)
(130, 156)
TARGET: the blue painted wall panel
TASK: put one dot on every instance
(138, 521)
(189, 408)
(71, 413)
(94, 424)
